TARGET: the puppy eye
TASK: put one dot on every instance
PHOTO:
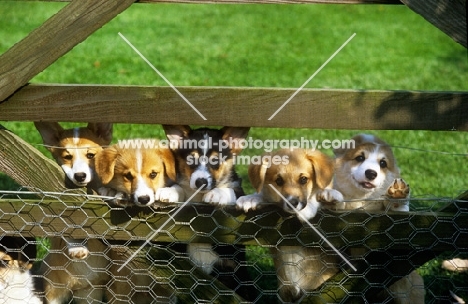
(303, 180)
(383, 163)
(153, 175)
(128, 176)
(68, 157)
(214, 163)
(90, 155)
(279, 181)
(360, 158)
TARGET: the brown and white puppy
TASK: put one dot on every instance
(205, 157)
(368, 177)
(299, 176)
(75, 150)
(134, 175)
(369, 171)
(17, 285)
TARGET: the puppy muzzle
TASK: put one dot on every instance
(293, 205)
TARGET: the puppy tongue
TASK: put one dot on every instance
(367, 185)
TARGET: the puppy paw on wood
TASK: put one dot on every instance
(331, 199)
(172, 194)
(220, 196)
(249, 202)
(119, 199)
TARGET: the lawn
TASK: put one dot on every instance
(270, 46)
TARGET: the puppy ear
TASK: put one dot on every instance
(104, 163)
(257, 174)
(50, 132)
(234, 135)
(323, 167)
(169, 163)
(176, 133)
(102, 130)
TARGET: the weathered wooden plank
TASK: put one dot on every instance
(393, 231)
(59, 34)
(310, 108)
(449, 16)
(27, 166)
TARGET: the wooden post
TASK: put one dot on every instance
(58, 35)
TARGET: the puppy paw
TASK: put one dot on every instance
(331, 199)
(119, 199)
(398, 189)
(220, 196)
(310, 210)
(168, 195)
(249, 202)
(78, 252)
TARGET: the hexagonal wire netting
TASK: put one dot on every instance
(202, 254)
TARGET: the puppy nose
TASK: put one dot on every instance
(200, 182)
(144, 199)
(370, 174)
(294, 202)
(80, 177)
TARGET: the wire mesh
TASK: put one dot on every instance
(260, 257)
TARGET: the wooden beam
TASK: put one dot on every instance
(449, 16)
(58, 35)
(29, 167)
(411, 231)
(311, 108)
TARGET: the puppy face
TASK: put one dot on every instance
(75, 149)
(304, 173)
(205, 156)
(136, 172)
(369, 166)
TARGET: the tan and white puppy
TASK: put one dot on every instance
(133, 175)
(75, 150)
(299, 176)
(368, 177)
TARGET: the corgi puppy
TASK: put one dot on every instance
(368, 177)
(133, 176)
(299, 177)
(369, 171)
(205, 160)
(17, 285)
(205, 157)
(75, 150)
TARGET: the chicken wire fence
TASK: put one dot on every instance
(154, 255)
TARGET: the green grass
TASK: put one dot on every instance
(271, 46)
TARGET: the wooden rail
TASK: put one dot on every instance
(437, 231)
(350, 109)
